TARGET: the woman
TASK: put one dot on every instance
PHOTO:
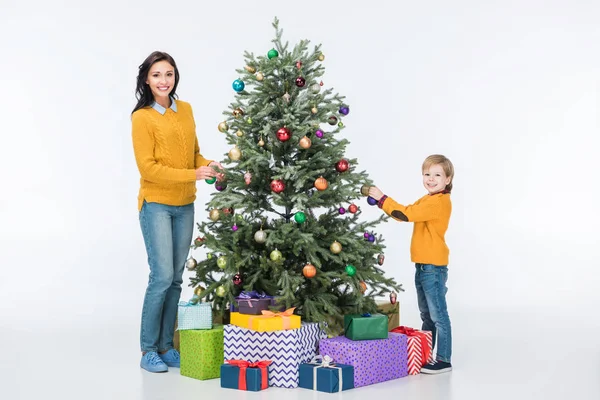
(169, 160)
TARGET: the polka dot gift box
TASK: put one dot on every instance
(374, 361)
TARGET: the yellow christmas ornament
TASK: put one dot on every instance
(223, 127)
(336, 247)
(235, 154)
(259, 76)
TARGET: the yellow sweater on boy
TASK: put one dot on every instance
(167, 153)
(431, 215)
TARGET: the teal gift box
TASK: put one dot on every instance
(244, 375)
(366, 326)
(324, 376)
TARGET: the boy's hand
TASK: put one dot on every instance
(375, 193)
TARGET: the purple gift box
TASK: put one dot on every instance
(374, 361)
(253, 303)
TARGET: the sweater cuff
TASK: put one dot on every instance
(381, 201)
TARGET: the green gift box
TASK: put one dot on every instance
(202, 353)
(366, 326)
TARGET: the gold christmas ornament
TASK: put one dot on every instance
(238, 112)
(321, 57)
(305, 142)
(314, 110)
(223, 127)
(214, 215)
(286, 97)
(336, 247)
(261, 142)
(235, 154)
(239, 133)
(199, 290)
(260, 76)
(250, 69)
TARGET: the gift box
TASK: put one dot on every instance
(392, 311)
(374, 361)
(287, 349)
(419, 348)
(268, 321)
(194, 316)
(201, 353)
(323, 375)
(366, 326)
(254, 302)
(244, 375)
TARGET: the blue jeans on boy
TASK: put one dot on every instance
(167, 232)
(430, 281)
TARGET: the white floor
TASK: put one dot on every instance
(497, 355)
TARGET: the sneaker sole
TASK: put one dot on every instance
(435, 372)
(156, 371)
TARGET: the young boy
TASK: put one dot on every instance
(429, 252)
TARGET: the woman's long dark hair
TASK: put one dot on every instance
(142, 90)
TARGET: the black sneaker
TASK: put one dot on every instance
(436, 367)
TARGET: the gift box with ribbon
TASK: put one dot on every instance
(366, 326)
(201, 353)
(254, 302)
(245, 375)
(268, 321)
(419, 348)
(374, 361)
(287, 349)
(192, 315)
(323, 375)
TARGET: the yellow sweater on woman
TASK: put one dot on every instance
(167, 153)
(431, 215)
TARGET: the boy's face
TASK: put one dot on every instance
(435, 179)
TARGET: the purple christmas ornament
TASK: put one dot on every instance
(319, 133)
(342, 210)
(371, 238)
(371, 201)
(234, 228)
(344, 110)
(366, 235)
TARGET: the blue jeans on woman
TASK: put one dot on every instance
(167, 232)
(430, 281)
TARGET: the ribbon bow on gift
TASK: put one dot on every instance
(325, 362)
(243, 365)
(405, 330)
(273, 314)
(253, 295)
(192, 302)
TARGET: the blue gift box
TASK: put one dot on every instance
(327, 377)
(230, 378)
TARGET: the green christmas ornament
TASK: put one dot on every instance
(210, 181)
(350, 270)
(222, 262)
(300, 217)
(220, 291)
(272, 54)
(276, 255)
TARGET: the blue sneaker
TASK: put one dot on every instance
(153, 363)
(171, 358)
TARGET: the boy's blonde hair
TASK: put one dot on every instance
(438, 159)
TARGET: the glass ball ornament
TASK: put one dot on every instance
(238, 112)
(363, 287)
(222, 262)
(353, 208)
(234, 228)
(214, 215)
(321, 183)
(275, 255)
(309, 270)
(260, 236)
(300, 81)
(238, 85)
(305, 142)
(260, 76)
(210, 181)
(220, 291)
(300, 217)
(250, 69)
(393, 297)
(315, 88)
(371, 201)
(350, 270)
(344, 110)
(321, 57)
(371, 238)
(342, 210)
(220, 186)
(198, 290)
(284, 134)
(336, 247)
(319, 133)
(364, 190)
(223, 127)
(277, 185)
(366, 235)
(341, 124)
(235, 154)
(380, 259)
(272, 54)
(237, 279)
(191, 264)
(332, 120)
(342, 165)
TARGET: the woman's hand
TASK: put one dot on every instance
(220, 176)
(205, 173)
(375, 193)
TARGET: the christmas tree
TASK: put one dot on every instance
(284, 219)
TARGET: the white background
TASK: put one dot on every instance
(508, 90)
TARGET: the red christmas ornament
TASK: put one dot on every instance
(277, 185)
(300, 81)
(284, 134)
(353, 208)
(298, 64)
(342, 166)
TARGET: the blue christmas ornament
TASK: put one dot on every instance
(371, 238)
(238, 85)
(371, 201)
(344, 110)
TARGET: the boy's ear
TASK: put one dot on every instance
(399, 215)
